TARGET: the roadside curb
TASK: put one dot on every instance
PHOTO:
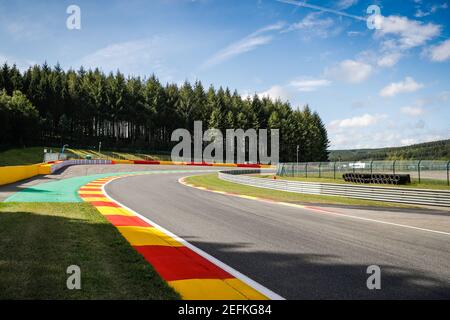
(186, 268)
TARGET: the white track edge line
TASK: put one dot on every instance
(322, 211)
(255, 285)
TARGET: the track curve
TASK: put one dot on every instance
(299, 253)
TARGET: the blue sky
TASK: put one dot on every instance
(373, 87)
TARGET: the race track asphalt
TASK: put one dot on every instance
(302, 253)
(87, 170)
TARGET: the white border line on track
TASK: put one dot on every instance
(321, 211)
(255, 285)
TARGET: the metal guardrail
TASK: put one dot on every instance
(57, 166)
(389, 194)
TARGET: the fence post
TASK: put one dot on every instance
(320, 174)
(306, 169)
(371, 168)
(393, 166)
(418, 169)
(448, 178)
(334, 170)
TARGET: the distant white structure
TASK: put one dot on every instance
(357, 165)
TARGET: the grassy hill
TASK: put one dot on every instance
(15, 157)
(436, 150)
(23, 156)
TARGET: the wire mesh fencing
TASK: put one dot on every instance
(420, 171)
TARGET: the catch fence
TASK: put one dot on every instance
(421, 171)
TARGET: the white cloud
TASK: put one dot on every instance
(385, 138)
(443, 96)
(22, 27)
(309, 85)
(305, 4)
(249, 43)
(138, 57)
(354, 33)
(426, 104)
(420, 13)
(314, 26)
(238, 48)
(350, 71)
(276, 92)
(440, 52)
(399, 34)
(412, 111)
(345, 4)
(409, 33)
(381, 130)
(21, 64)
(363, 121)
(287, 92)
(389, 60)
(408, 141)
(405, 86)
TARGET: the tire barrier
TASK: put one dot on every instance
(377, 178)
(378, 193)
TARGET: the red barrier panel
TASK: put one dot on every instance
(145, 162)
(199, 164)
(244, 165)
(202, 164)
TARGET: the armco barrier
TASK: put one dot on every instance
(57, 166)
(390, 194)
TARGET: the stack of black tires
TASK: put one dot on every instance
(377, 178)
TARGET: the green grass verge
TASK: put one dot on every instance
(38, 241)
(425, 183)
(16, 157)
(211, 181)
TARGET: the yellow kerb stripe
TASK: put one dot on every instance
(248, 197)
(114, 211)
(92, 199)
(215, 289)
(90, 192)
(147, 236)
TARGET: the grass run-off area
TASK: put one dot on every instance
(38, 241)
(16, 157)
(425, 183)
(212, 181)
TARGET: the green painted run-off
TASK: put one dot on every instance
(67, 190)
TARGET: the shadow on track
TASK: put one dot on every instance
(314, 276)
